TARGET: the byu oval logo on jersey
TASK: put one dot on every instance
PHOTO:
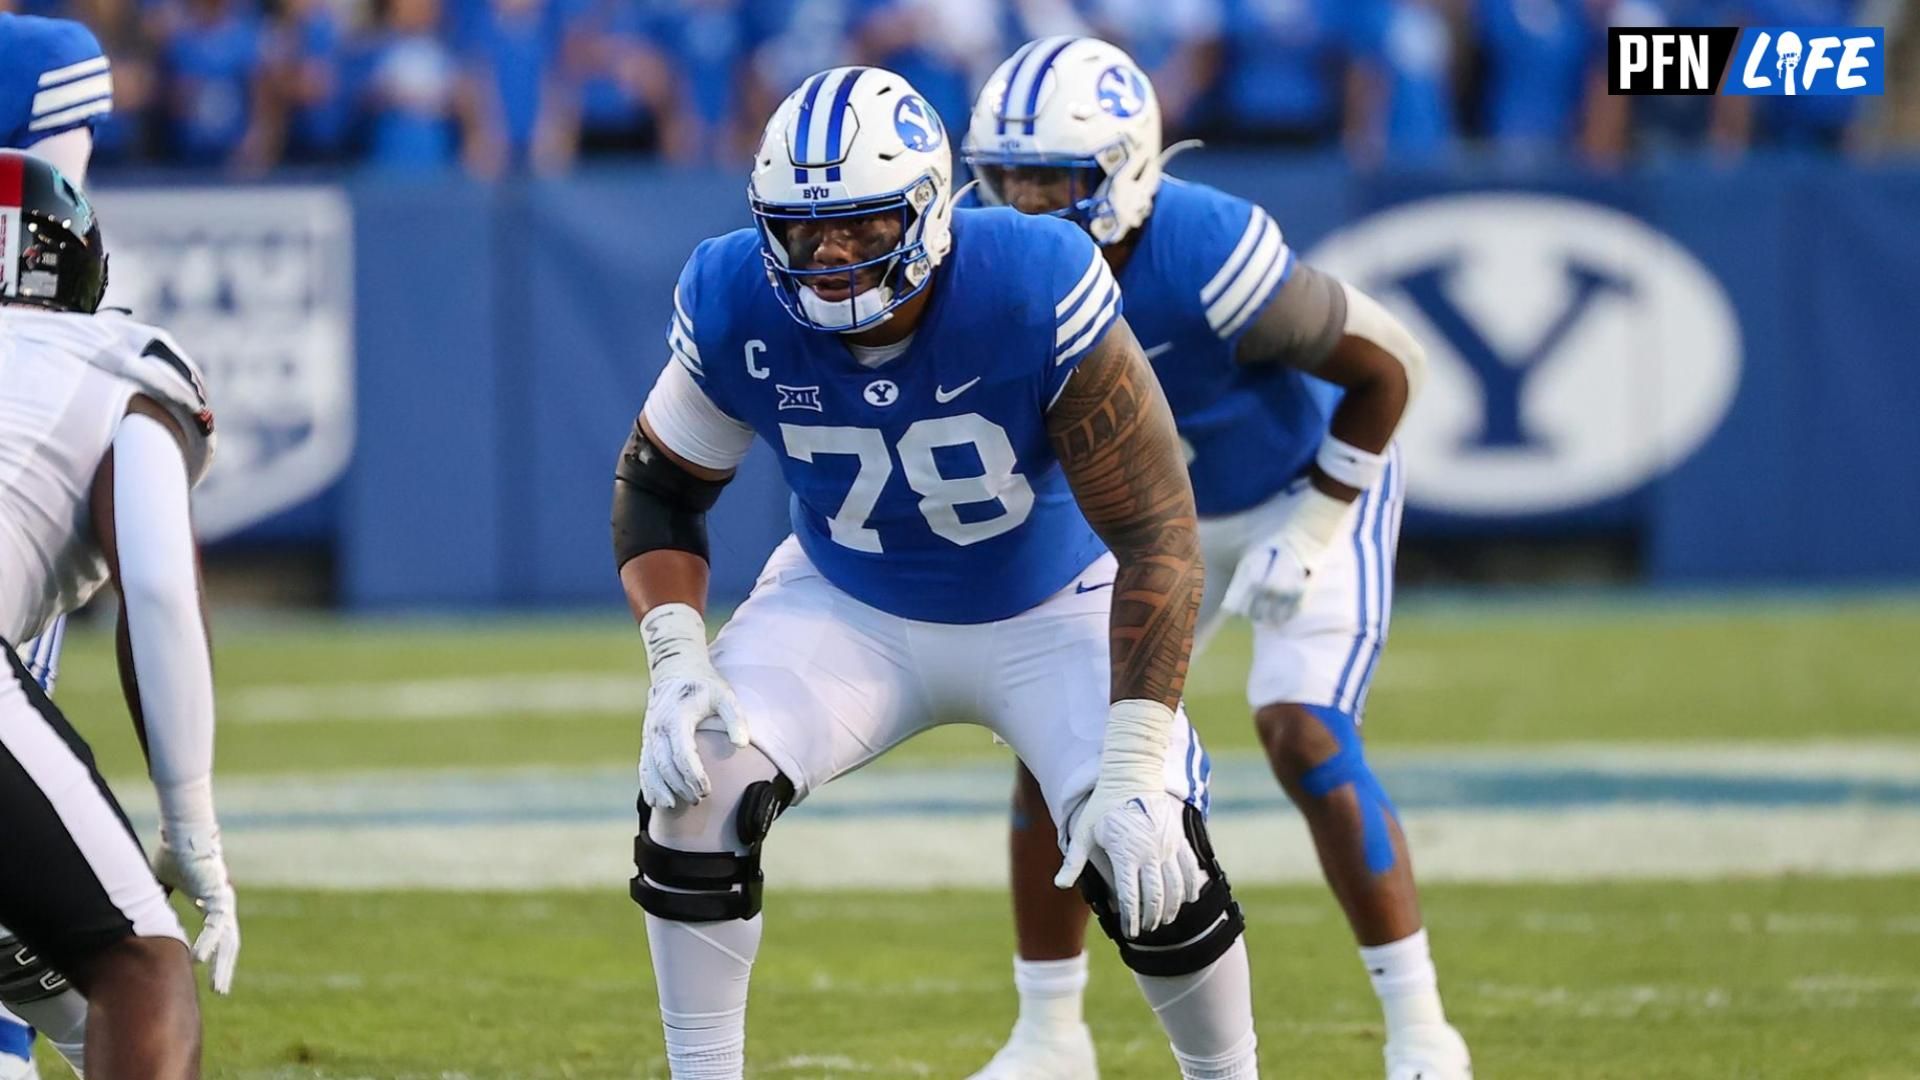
(1574, 352)
(917, 124)
(881, 392)
(1122, 91)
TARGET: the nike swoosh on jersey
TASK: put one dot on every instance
(943, 395)
(1083, 587)
(1158, 349)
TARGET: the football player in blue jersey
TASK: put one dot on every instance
(55, 85)
(990, 516)
(1286, 386)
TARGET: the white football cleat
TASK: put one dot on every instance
(1051, 1054)
(1428, 1052)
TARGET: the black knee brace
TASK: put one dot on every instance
(24, 977)
(1200, 934)
(709, 886)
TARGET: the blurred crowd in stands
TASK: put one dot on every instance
(539, 85)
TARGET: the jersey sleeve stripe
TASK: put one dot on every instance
(1268, 284)
(67, 95)
(1268, 253)
(685, 350)
(1102, 319)
(1086, 340)
(1080, 289)
(680, 310)
(67, 118)
(1236, 261)
(73, 71)
(1089, 295)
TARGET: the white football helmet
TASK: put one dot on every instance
(1073, 103)
(852, 142)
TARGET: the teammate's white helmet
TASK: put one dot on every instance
(850, 142)
(1075, 103)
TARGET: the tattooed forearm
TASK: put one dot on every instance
(1114, 436)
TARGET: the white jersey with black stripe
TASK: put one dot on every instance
(65, 381)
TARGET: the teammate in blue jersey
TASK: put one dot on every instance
(1287, 386)
(55, 85)
(968, 426)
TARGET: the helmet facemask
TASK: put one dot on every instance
(883, 235)
(1058, 185)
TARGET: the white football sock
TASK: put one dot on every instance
(1208, 1017)
(702, 971)
(1050, 991)
(1404, 978)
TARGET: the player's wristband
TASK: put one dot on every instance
(1350, 465)
(676, 640)
(1137, 736)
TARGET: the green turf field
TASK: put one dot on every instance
(1454, 673)
(1814, 977)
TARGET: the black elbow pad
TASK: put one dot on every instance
(657, 504)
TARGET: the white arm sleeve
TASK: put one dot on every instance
(159, 583)
(69, 152)
(1367, 319)
(691, 425)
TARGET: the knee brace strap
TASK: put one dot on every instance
(1349, 766)
(1200, 934)
(709, 886)
(24, 977)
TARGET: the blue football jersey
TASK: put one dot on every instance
(925, 486)
(53, 79)
(1205, 264)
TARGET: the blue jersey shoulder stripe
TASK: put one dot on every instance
(1250, 274)
(680, 337)
(1086, 312)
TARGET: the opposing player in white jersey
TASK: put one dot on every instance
(104, 426)
(55, 85)
(968, 426)
(1287, 386)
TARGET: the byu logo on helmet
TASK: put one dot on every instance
(918, 125)
(1574, 352)
(1122, 91)
(826, 155)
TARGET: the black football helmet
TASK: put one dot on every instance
(51, 254)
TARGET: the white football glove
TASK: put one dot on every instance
(1273, 576)
(1131, 817)
(685, 691)
(191, 861)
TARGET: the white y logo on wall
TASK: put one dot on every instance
(1574, 352)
